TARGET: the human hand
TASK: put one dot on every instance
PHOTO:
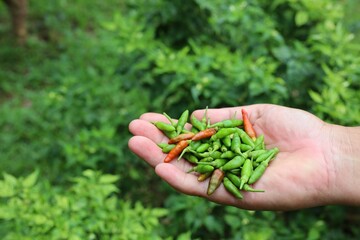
(302, 175)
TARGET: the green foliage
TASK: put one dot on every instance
(88, 209)
(338, 98)
(219, 222)
(90, 67)
(229, 52)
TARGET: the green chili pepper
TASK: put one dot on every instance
(164, 126)
(223, 148)
(231, 188)
(236, 171)
(245, 147)
(203, 147)
(201, 169)
(235, 143)
(197, 123)
(259, 170)
(245, 138)
(229, 123)
(194, 145)
(256, 153)
(248, 188)
(190, 158)
(216, 179)
(228, 154)
(267, 154)
(207, 159)
(222, 133)
(166, 147)
(162, 145)
(234, 163)
(275, 151)
(213, 154)
(216, 145)
(235, 179)
(182, 121)
(246, 172)
(259, 143)
(170, 134)
(226, 141)
(194, 130)
(217, 163)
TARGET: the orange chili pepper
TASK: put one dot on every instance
(247, 125)
(204, 134)
(183, 136)
(176, 151)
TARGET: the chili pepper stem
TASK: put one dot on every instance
(183, 152)
(248, 188)
(169, 118)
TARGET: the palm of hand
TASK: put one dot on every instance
(297, 178)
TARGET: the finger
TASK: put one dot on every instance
(146, 149)
(215, 115)
(180, 180)
(255, 113)
(144, 128)
(219, 114)
(153, 117)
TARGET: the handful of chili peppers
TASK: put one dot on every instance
(227, 152)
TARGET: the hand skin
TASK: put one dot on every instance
(318, 163)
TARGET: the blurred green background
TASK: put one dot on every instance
(90, 67)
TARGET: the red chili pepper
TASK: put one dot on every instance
(176, 151)
(183, 136)
(215, 181)
(204, 134)
(247, 125)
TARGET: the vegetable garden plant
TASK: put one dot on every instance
(68, 94)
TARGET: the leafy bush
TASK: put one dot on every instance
(89, 209)
(210, 220)
(230, 52)
(67, 97)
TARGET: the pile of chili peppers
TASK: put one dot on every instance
(227, 152)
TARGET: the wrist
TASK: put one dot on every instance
(343, 155)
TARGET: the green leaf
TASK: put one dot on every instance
(6, 213)
(6, 190)
(108, 178)
(89, 173)
(315, 96)
(301, 18)
(10, 179)
(30, 180)
(283, 53)
(184, 236)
